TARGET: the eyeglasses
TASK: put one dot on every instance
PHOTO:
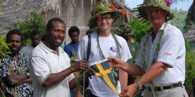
(102, 17)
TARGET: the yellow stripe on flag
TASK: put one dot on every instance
(104, 74)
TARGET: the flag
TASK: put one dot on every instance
(104, 70)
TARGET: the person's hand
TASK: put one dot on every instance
(17, 79)
(115, 61)
(80, 65)
(118, 63)
(129, 91)
(28, 80)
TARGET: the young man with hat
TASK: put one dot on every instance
(103, 44)
(161, 57)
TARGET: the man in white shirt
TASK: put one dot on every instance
(161, 57)
(51, 65)
(104, 44)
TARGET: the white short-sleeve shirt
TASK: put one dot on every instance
(109, 49)
(171, 51)
(46, 62)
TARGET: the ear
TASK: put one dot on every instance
(112, 19)
(166, 15)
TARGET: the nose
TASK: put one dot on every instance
(103, 21)
(153, 13)
(60, 35)
(15, 43)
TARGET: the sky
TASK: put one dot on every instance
(183, 5)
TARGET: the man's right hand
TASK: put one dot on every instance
(80, 65)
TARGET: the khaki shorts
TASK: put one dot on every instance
(174, 92)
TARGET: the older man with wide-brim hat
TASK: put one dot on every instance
(161, 4)
(161, 57)
(100, 44)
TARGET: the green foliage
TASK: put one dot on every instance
(190, 65)
(32, 25)
(103, 8)
(139, 28)
(179, 19)
(122, 30)
(4, 49)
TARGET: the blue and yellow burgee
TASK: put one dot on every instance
(107, 73)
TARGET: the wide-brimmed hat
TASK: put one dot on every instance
(103, 9)
(162, 4)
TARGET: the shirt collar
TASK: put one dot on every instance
(47, 49)
(74, 43)
(163, 26)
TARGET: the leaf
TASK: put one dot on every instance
(4, 49)
(139, 27)
(32, 25)
(190, 65)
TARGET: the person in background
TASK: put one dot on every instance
(15, 73)
(27, 51)
(35, 40)
(72, 48)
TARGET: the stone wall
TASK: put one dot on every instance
(15, 10)
(73, 12)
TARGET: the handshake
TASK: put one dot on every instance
(129, 91)
(106, 65)
(115, 62)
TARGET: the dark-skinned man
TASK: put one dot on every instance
(15, 72)
(51, 65)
